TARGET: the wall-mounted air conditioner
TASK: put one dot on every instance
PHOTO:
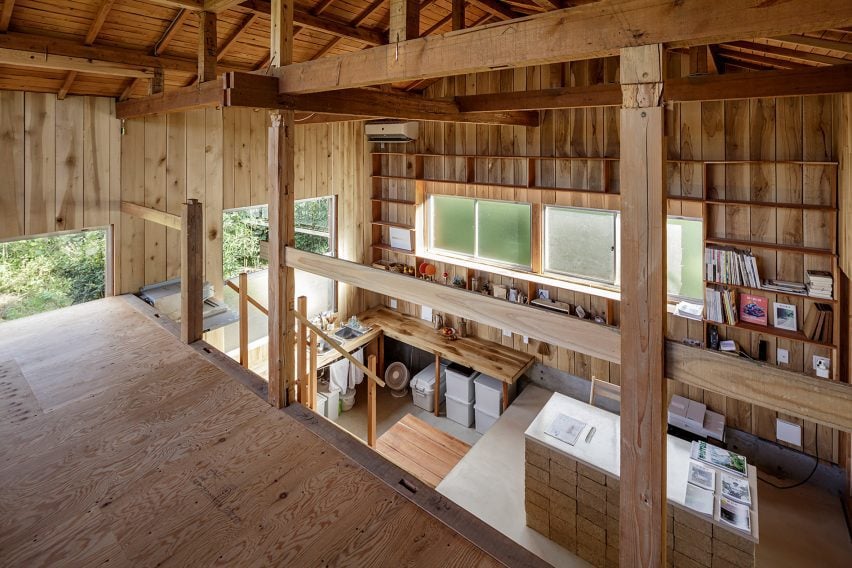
(391, 131)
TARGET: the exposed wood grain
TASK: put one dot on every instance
(6, 14)
(12, 152)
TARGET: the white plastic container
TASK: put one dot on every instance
(484, 419)
(347, 400)
(322, 405)
(460, 382)
(459, 411)
(423, 387)
(489, 394)
(332, 408)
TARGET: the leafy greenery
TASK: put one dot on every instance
(46, 273)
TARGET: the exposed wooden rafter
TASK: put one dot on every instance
(323, 24)
(6, 15)
(234, 37)
(562, 35)
(801, 56)
(91, 35)
(171, 31)
(356, 21)
(817, 42)
(496, 8)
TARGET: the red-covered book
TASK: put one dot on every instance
(754, 309)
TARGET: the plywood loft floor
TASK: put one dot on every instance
(119, 444)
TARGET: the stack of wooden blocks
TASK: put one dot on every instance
(577, 507)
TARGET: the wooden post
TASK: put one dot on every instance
(157, 84)
(302, 353)
(206, 46)
(437, 384)
(281, 161)
(404, 20)
(643, 293)
(244, 331)
(109, 262)
(371, 403)
(458, 14)
(191, 272)
(312, 389)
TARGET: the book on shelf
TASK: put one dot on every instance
(731, 266)
(721, 305)
(701, 476)
(819, 323)
(754, 309)
(784, 287)
(736, 488)
(719, 457)
(689, 310)
(734, 514)
(820, 284)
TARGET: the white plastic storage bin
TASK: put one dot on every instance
(459, 411)
(489, 394)
(423, 387)
(321, 405)
(484, 419)
(332, 407)
(460, 382)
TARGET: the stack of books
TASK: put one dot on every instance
(820, 284)
(689, 310)
(721, 305)
(784, 287)
(819, 323)
(731, 266)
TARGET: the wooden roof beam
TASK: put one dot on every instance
(583, 32)
(323, 24)
(217, 6)
(765, 61)
(203, 95)
(6, 15)
(171, 31)
(229, 43)
(803, 56)
(496, 8)
(58, 62)
(91, 35)
(817, 42)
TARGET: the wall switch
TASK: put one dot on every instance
(393, 303)
(788, 432)
(507, 333)
(526, 340)
(783, 357)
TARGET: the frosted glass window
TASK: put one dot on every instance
(581, 242)
(453, 227)
(684, 257)
(503, 232)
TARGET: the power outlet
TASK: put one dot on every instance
(783, 357)
(393, 303)
(507, 333)
(821, 366)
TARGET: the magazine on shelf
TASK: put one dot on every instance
(565, 429)
(719, 457)
(736, 488)
(702, 476)
(734, 514)
(699, 500)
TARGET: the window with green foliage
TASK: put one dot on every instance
(684, 255)
(581, 243)
(491, 231)
(46, 273)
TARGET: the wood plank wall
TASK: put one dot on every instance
(798, 128)
(219, 158)
(60, 163)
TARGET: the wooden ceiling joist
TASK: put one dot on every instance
(584, 32)
(91, 35)
(203, 95)
(220, 5)
(175, 26)
(58, 62)
(496, 8)
(766, 62)
(234, 37)
(801, 56)
(323, 24)
(817, 42)
(568, 97)
(6, 15)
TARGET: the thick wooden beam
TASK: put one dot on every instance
(458, 15)
(203, 95)
(643, 310)
(192, 272)
(42, 60)
(568, 97)
(583, 32)
(207, 49)
(155, 216)
(188, 4)
(171, 31)
(6, 14)
(404, 20)
(699, 60)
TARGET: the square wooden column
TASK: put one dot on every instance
(404, 20)
(206, 46)
(281, 158)
(643, 310)
(192, 272)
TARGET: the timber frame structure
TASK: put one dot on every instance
(378, 63)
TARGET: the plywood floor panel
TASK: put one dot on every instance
(122, 446)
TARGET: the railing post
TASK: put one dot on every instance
(312, 389)
(244, 329)
(191, 272)
(371, 403)
(302, 352)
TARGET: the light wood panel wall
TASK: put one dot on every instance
(60, 163)
(797, 128)
(219, 158)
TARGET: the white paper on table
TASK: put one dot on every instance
(565, 429)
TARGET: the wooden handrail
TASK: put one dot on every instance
(339, 349)
(160, 217)
(251, 300)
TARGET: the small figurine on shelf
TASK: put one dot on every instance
(445, 276)
(458, 282)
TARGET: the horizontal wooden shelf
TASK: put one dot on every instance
(771, 246)
(394, 225)
(502, 185)
(746, 162)
(495, 157)
(766, 291)
(774, 331)
(804, 206)
(376, 176)
(393, 201)
(383, 246)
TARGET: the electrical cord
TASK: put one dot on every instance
(802, 482)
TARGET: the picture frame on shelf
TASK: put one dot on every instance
(784, 316)
(754, 309)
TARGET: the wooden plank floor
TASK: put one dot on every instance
(421, 449)
(118, 444)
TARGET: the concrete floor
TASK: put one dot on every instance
(799, 527)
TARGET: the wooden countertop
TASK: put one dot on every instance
(501, 362)
(351, 345)
(603, 453)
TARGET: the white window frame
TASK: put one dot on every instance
(616, 219)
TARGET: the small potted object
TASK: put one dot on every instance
(458, 282)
